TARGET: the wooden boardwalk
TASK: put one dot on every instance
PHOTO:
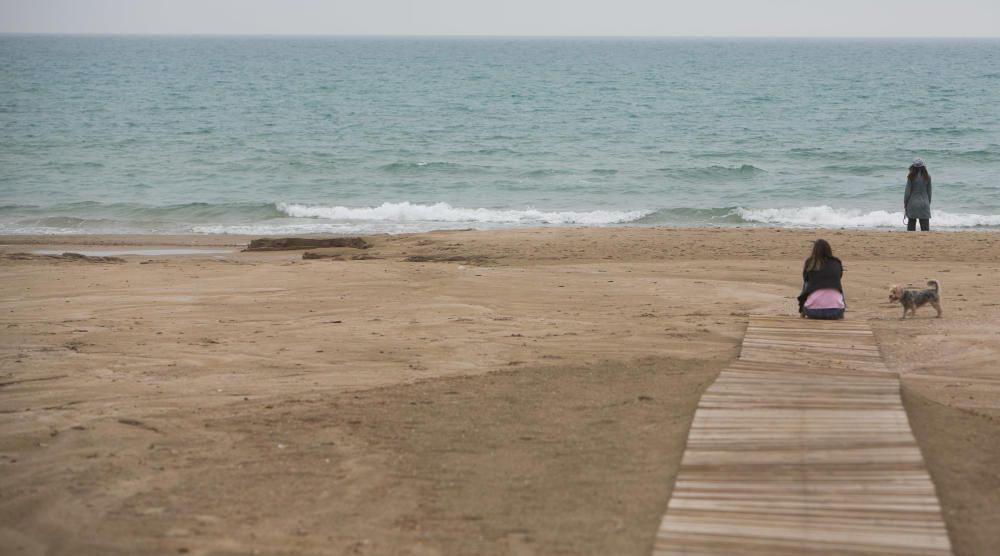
(802, 446)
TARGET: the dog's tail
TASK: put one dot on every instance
(937, 286)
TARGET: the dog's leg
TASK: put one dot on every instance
(937, 307)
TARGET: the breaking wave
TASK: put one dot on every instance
(829, 217)
(443, 212)
(404, 217)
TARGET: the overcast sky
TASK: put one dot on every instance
(788, 18)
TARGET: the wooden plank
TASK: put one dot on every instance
(802, 446)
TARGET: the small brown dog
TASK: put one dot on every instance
(911, 299)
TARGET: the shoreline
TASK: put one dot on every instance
(227, 237)
(238, 240)
(260, 400)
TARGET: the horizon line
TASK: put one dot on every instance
(498, 36)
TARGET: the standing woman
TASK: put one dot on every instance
(917, 199)
(822, 295)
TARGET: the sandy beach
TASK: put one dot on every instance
(464, 392)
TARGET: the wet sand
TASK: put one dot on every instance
(514, 392)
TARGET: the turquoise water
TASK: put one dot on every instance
(294, 135)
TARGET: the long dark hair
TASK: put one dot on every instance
(820, 254)
(918, 171)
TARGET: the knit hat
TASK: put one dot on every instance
(917, 163)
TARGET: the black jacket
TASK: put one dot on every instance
(824, 278)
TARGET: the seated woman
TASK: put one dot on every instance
(822, 295)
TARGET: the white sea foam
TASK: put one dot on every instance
(828, 217)
(293, 229)
(444, 213)
(394, 218)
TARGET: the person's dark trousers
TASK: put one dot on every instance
(911, 224)
(824, 314)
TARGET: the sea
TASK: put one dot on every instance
(296, 135)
